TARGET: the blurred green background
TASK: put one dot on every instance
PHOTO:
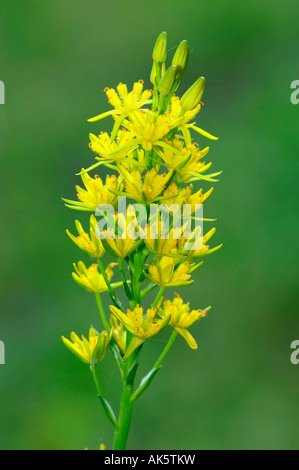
(239, 390)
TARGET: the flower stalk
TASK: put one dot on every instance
(154, 161)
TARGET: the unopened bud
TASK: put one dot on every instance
(153, 73)
(159, 52)
(181, 58)
(168, 79)
(193, 96)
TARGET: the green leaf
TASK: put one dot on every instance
(119, 360)
(145, 382)
(109, 411)
(131, 373)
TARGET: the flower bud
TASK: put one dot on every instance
(159, 52)
(119, 334)
(100, 348)
(181, 58)
(193, 96)
(91, 350)
(168, 79)
(153, 74)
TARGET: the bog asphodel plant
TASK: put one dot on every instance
(154, 161)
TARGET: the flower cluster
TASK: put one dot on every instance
(152, 158)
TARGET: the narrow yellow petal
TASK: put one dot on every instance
(188, 337)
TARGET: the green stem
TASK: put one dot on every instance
(166, 349)
(157, 299)
(110, 289)
(126, 408)
(121, 434)
(106, 406)
(146, 381)
(123, 276)
(148, 289)
(102, 313)
(96, 380)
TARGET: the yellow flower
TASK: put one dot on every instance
(176, 195)
(166, 240)
(89, 351)
(141, 326)
(109, 150)
(166, 272)
(197, 244)
(149, 129)
(119, 334)
(95, 193)
(126, 240)
(90, 278)
(181, 318)
(90, 245)
(174, 111)
(123, 102)
(144, 189)
(186, 162)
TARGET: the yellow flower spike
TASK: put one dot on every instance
(89, 351)
(166, 273)
(119, 334)
(181, 318)
(91, 280)
(90, 245)
(142, 326)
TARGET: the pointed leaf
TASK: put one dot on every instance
(145, 382)
(109, 411)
